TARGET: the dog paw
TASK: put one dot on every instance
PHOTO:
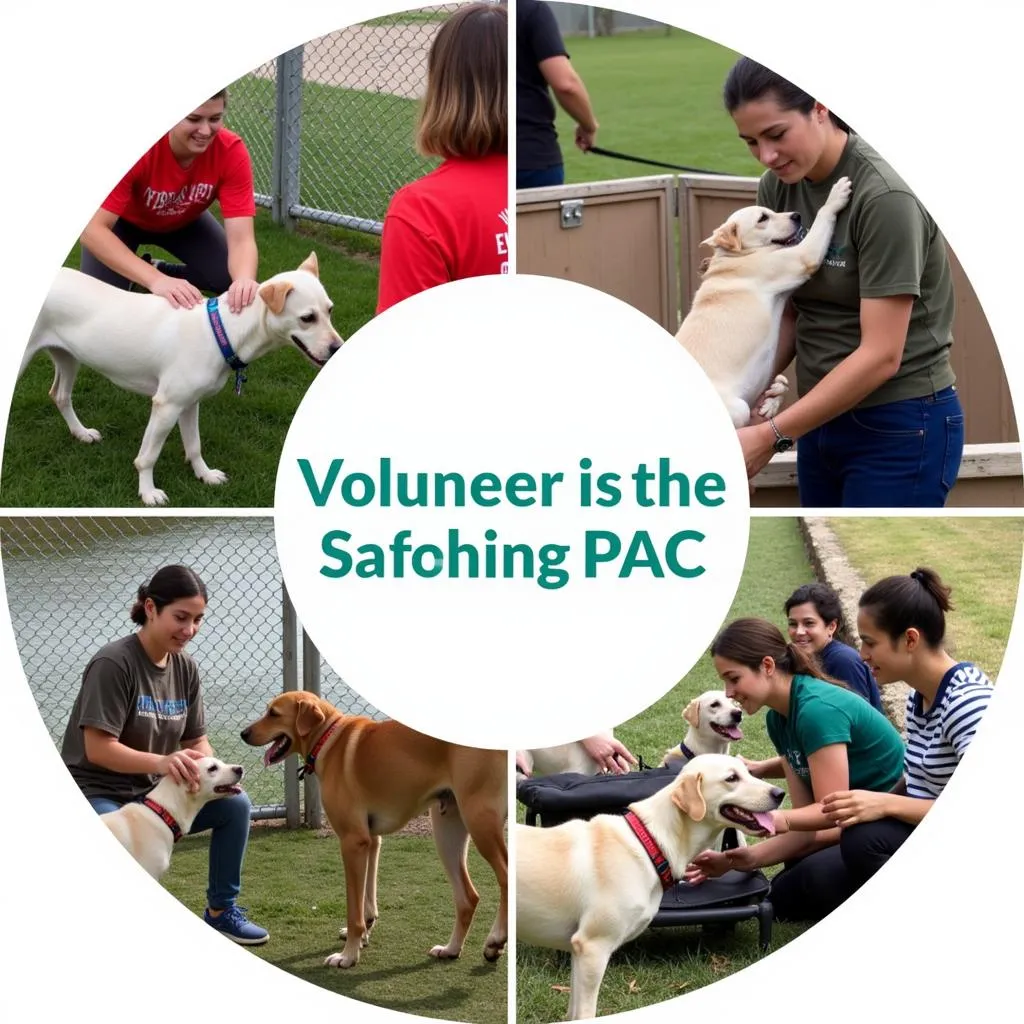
(492, 951)
(153, 497)
(88, 435)
(342, 959)
(769, 407)
(363, 943)
(214, 477)
(840, 194)
(445, 953)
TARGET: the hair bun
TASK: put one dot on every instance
(917, 575)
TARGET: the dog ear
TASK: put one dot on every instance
(310, 264)
(691, 714)
(725, 237)
(308, 718)
(689, 798)
(273, 293)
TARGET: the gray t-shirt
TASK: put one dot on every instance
(146, 707)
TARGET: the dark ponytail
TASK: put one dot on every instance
(920, 600)
(749, 81)
(749, 641)
(169, 584)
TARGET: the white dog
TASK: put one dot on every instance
(590, 886)
(144, 345)
(732, 329)
(714, 722)
(148, 830)
(566, 757)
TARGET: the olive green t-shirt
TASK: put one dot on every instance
(146, 707)
(884, 244)
(821, 714)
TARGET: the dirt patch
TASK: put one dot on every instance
(833, 568)
(388, 59)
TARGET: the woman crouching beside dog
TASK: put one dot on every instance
(831, 740)
(139, 715)
(902, 626)
(164, 200)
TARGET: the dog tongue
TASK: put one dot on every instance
(267, 755)
(764, 820)
(734, 732)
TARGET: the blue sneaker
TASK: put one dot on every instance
(237, 927)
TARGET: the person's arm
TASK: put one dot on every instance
(410, 261)
(572, 97)
(107, 751)
(771, 768)
(853, 807)
(608, 752)
(883, 324)
(243, 261)
(201, 745)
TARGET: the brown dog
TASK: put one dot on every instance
(375, 777)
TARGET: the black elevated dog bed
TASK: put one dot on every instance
(736, 896)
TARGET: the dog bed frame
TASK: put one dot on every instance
(715, 903)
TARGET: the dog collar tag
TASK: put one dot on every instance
(221, 337)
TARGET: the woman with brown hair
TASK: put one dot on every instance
(829, 738)
(453, 222)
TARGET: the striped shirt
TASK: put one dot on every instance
(937, 738)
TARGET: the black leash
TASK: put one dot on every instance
(654, 163)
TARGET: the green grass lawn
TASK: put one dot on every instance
(657, 96)
(44, 466)
(979, 558)
(294, 885)
(667, 962)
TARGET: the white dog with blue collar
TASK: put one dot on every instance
(175, 356)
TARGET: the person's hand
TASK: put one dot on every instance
(181, 294)
(181, 766)
(781, 822)
(756, 768)
(585, 139)
(610, 755)
(854, 806)
(757, 445)
(521, 763)
(241, 293)
(714, 864)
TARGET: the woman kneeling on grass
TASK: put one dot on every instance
(902, 625)
(139, 715)
(830, 739)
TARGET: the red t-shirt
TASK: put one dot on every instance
(158, 194)
(449, 225)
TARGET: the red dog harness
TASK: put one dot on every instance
(658, 859)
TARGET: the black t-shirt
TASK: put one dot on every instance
(537, 39)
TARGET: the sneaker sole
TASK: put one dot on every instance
(244, 942)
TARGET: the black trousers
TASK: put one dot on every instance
(812, 887)
(202, 246)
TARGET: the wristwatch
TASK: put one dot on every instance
(782, 442)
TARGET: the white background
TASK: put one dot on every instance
(936, 89)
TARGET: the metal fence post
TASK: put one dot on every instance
(289, 626)
(287, 137)
(311, 684)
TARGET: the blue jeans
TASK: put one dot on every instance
(228, 818)
(539, 179)
(902, 454)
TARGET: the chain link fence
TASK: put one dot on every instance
(71, 583)
(330, 124)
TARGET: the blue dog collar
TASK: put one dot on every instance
(221, 336)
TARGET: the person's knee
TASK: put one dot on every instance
(238, 808)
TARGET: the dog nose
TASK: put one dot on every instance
(795, 218)
(737, 715)
(245, 733)
(239, 771)
(778, 795)
(335, 345)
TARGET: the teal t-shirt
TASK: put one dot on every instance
(821, 714)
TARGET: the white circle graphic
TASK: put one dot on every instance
(511, 511)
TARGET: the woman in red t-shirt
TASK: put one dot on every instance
(453, 222)
(165, 200)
